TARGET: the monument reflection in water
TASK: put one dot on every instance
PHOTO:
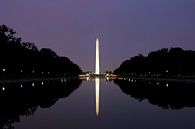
(97, 93)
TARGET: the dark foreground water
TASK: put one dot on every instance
(97, 104)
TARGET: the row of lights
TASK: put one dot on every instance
(149, 73)
(22, 71)
(158, 84)
(133, 80)
(33, 84)
(166, 71)
(167, 84)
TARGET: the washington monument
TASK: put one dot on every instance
(97, 61)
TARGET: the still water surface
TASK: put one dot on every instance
(62, 104)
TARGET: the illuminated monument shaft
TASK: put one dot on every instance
(97, 61)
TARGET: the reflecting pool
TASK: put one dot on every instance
(97, 104)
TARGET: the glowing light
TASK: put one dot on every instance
(97, 64)
(3, 88)
(97, 92)
(41, 83)
(33, 84)
(167, 85)
(21, 85)
(3, 70)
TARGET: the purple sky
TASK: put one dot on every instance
(125, 27)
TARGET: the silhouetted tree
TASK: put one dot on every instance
(163, 62)
(18, 58)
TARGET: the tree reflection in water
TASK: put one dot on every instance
(167, 95)
(22, 99)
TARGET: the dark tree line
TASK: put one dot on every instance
(24, 58)
(164, 62)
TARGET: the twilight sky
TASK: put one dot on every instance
(125, 27)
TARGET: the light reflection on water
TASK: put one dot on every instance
(97, 93)
(126, 103)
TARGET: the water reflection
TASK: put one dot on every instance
(97, 89)
(97, 92)
(167, 95)
(22, 98)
